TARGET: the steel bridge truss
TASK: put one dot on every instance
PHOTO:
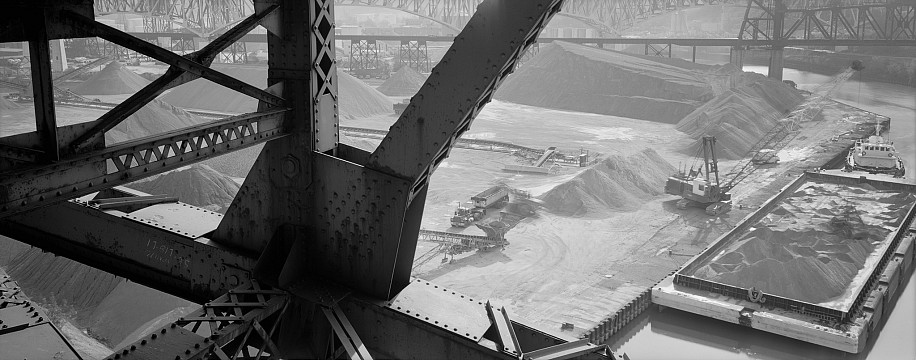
(208, 17)
(313, 257)
(364, 55)
(415, 55)
(201, 17)
(830, 20)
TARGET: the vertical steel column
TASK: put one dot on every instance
(301, 66)
(736, 56)
(42, 87)
(776, 53)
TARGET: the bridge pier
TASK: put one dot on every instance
(364, 60)
(776, 63)
(414, 54)
(736, 56)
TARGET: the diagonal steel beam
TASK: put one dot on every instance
(126, 40)
(495, 38)
(173, 77)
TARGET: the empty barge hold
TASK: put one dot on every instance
(819, 262)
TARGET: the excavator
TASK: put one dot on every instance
(702, 186)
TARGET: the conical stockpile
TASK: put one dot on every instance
(197, 185)
(154, 118)
(619, 183)
(740, 116)
(114, 79)
(405, 82)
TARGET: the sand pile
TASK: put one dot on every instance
(198, 185)
(740, 115)
(11, 249)
(356, 98)
(5, 104)
(619, 183)
(405, 82)
(127, 308)
(155, 118)
(582, 78)
(811, 247)
(61, 281)
(114, 79)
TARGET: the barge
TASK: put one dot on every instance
(782, 272)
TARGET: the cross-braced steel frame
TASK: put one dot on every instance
(313, 257)
(830, 20)
(414, 54)
(364, 55)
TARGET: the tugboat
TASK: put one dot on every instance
(875, 155)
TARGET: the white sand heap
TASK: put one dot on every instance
(582, 78)
(154, 118)
(405, 82)
(198, 185)
(114, 79)
(619, 183)
(741, 114)
(356, 99)
(812, 246)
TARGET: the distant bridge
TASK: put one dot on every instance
(207, 17)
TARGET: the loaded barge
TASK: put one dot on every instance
(819, 262)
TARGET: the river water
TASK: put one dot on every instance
(674, 334)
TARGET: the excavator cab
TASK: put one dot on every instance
(701, 187)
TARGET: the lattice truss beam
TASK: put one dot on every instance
(829, 19)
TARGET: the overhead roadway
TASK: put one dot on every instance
(313, 257)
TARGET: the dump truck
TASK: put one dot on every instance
(464, 216)
(497, 196)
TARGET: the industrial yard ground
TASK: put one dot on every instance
(564, 265)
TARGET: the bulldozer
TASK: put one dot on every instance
(700, 187)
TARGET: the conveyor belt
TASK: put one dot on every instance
(460, 239)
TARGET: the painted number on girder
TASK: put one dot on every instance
(165, 254)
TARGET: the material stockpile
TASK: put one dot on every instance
(5, 104)
(197, 185)
(154, 118)
(742, 114)
(109, 307)
(356, 99)
(813, 245)
(114, 79)
(618, 183)
(405, 82)
(581, 78)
